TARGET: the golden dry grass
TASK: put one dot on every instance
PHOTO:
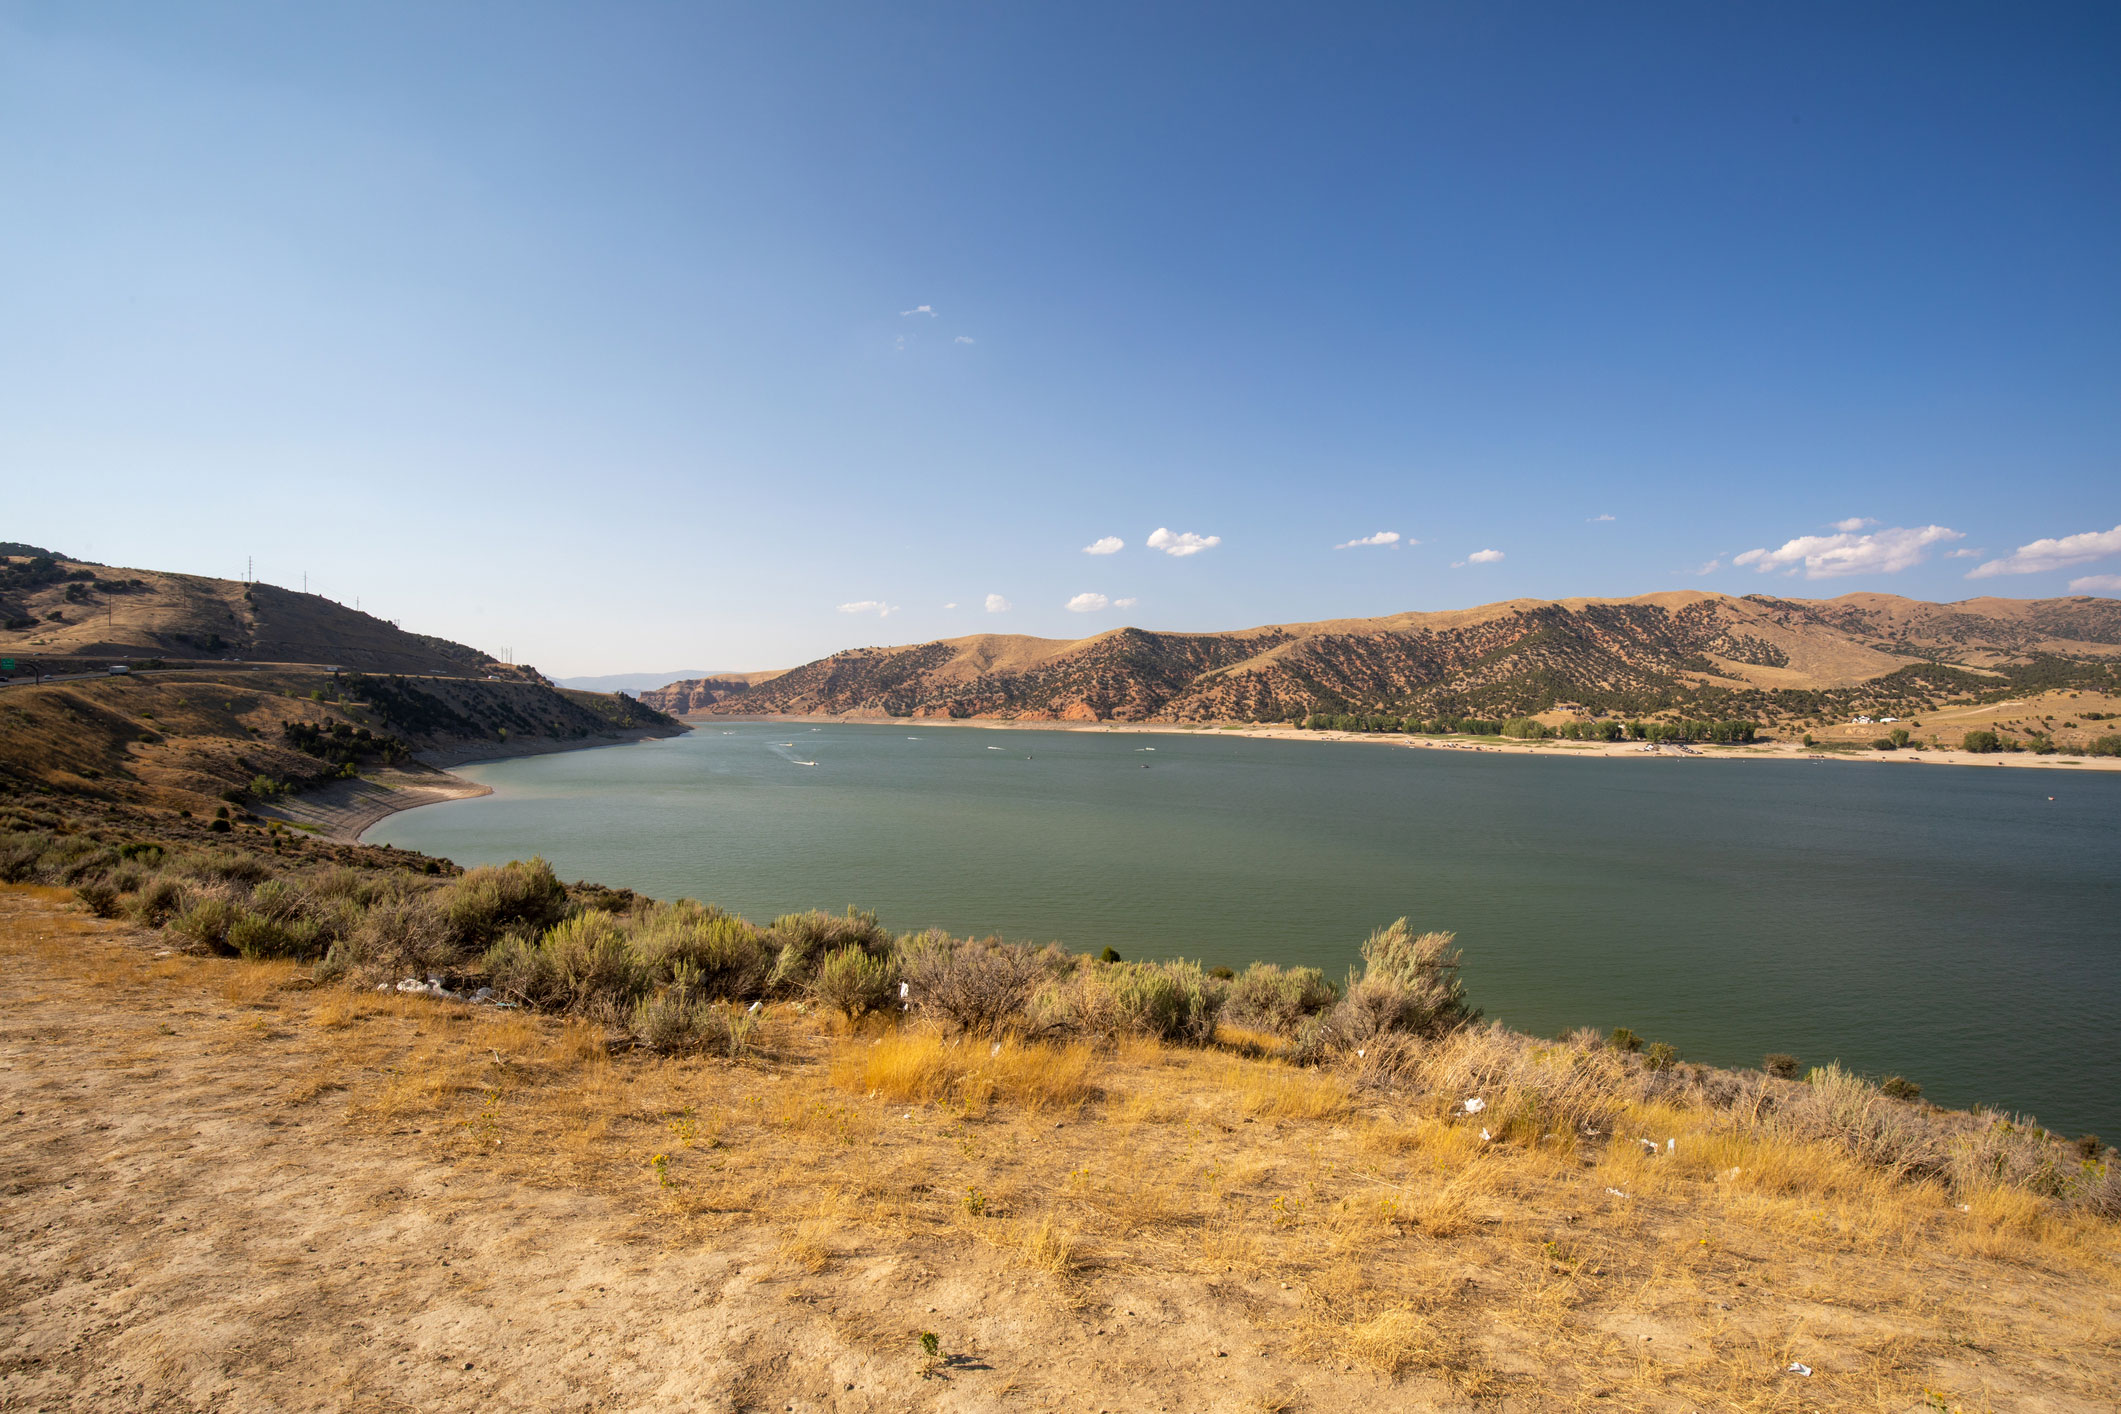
(1343, 1228)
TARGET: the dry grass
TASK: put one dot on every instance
(972, 1074)
(1336, 1226)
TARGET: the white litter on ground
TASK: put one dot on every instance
(1475, 1106)
(1804, 1370)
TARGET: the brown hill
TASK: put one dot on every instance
(1690, 652)
(52, 607)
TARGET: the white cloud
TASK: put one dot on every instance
(1182, 545)
(1484, 557)
(870, 606)
(1596, 519)
(1105, 545)
(2044, 555)
(1963, 553)
(950, 606)
(927, 309)
(1710, 568)
(998, 605)
(1832, 556)
(1382, 537)
(965, 339)
(2096, 584)
(1126, 603)
(1854, 524)
(1088, 603)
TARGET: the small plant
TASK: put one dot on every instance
(1110, 955)
(1661, 1056)
(1900, 1088)
(931, 1353)
(975, 1203)
(661, 1164)
(1780, 1064)
(1625, 1039)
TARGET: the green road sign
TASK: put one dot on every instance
(7, 665)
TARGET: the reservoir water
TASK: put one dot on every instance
(1951, 924)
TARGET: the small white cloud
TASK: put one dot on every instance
(965, 339)
(1710, 568)
(870, 606)
(1088, 603)
(1832, 556)
(1105, 545)
(2097, 584)
(1596, 519)
(950, 606)
(998, 605)
(1854, 524)
(2044, 555)
(927, 309)
(1172, 543)
(1382, 537)
(1484, 557)
(1126, 603)
(1963, 553)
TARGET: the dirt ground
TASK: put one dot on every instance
(223, 1189)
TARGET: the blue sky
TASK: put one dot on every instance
(634, 336)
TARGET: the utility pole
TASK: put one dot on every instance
(249, 568)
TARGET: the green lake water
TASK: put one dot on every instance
(1951, 924)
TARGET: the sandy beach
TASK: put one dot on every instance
(1638, 750)
(344, 809)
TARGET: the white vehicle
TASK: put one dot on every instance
(119, 670)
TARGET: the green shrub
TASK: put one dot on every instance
(206, 922)
(582, 965)
(1624, 1039)
(397, 936)
(679, 1019)
(1981, 741)
(97, 897)
(1660, 1056)
(1885, 744)
(159, 900)
(853, 982)
(1900, 1088)
(1169, 1001)
(20, 854)
(1780, 1064)
(519, 896)
(1425, 967)
(729, 958)
(2103, 746)
(1526, 729)
(1270, 998)
(800, 941)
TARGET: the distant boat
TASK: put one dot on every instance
(994, 748)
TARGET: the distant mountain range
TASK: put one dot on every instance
(633, 682)
(1759, 656)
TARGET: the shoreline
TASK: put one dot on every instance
(1764, 751)
(345, 810)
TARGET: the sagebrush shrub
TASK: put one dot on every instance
(729, 958)
(981, 987)
(1271, 998)
(520, 896)
(853, 983)
(800, 942)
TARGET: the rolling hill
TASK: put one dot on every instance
(61, 609)
(1767, 658)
